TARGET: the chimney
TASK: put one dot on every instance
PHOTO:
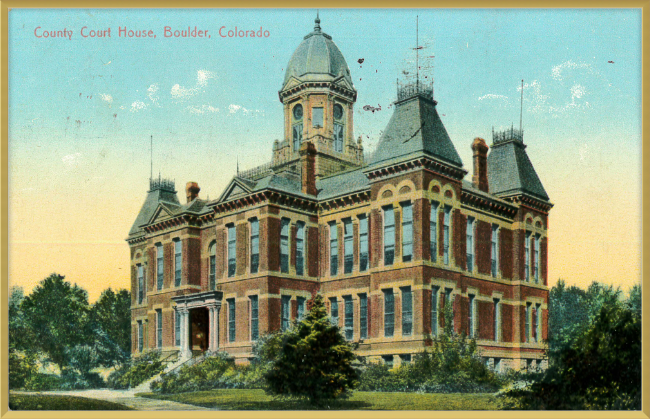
(192, 191)
(480, 179)
(308, 161)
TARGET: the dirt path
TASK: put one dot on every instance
(124, 397)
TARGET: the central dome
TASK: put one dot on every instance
(317, 58)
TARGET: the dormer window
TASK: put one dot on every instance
(317, 117)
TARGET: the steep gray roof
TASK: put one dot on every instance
(154, 197)
(342, 184)
(415, 129)
(317, 58)
(510, 171)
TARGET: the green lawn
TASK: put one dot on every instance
(228, 399)
(49, 402)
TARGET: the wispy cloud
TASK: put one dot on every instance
(202, 109)
(71, 159)
(138, 106)
(106, 97)
(179, 92)
(493, 96)
(238, 109)
(558, 71)
(535, 97)
(152, 93)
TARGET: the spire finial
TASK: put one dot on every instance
(317, 21)
(238, 165)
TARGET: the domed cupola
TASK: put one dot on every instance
(317, 58)
(318, 98)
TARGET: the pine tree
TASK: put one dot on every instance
(315, 361)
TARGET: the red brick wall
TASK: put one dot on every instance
(483, 247)
(506, 255)
(241, 230)
(543, 255)
(460, 239)
(507, 326)
(312, 253)
(486, 319)
(325, 249)
(376, 247)
(273, 244)
(192, 262)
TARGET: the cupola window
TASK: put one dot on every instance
(317, 117)
(297, 126)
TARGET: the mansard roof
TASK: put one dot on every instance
(510, 171)
(414, 130)
(343, 183)
(160, 191)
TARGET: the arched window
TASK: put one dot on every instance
(213, 265)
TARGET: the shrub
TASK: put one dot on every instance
(452, 365)
(137, 371)
(43, 382)
(21, 368)
(217, 371)
(314, 360)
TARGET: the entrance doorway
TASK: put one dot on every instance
(199, 329)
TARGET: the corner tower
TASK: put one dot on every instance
(318, 98)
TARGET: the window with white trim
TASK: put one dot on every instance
(363, 243)
(497, 320)
(300, 248)
(334, 249)
(389, 313)
(470, 244)
(348, 250)
(300, 301)
(349, 317)
(255, 245)
(178, 262)
(446, 233)
(407, 311)
(159, 328)
(213, 265)
(536, 262)
(255, 320)
(527, 257)
(160, 267)
(433, 231)
(284, 245)
(232, 318)
(334, 311)
(363, 316)
(471, 315)
(232, 250)
(435, 319)
(495, 250)
(285, 315)
(389, 235)
(177, 327)
(407, 232)
(140, 336)
(140, 284)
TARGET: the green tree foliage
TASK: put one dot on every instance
(597, 368)
(22, 358)
(110, 324)
(315, 361)
(57, 314)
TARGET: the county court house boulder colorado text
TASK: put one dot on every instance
(388, 239)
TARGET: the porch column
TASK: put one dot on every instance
(216, 327)
(211, 329)
(185, 339)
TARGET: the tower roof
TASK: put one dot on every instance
(160, 190)
(510, 171)
(415, 129)
(317, 58)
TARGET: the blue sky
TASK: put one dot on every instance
(82, 110)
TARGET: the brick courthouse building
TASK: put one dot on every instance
(388, 240)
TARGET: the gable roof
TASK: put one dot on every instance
(510, 171)
(415, 129)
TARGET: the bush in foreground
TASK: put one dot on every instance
(137, 371)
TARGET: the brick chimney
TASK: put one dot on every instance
(480, 178)
(308, 161)
(192, 191)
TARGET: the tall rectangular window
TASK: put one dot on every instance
(334, 249)
(528, 315)
(407, 232)
(527, 257)
(140, 336)
(446, 231)
(363, 316)
(348, 253)
(533, 323)
(285, 312)
(389, 235)
(338, 138)
(178, 262)
(213, 265)
(389, 313)
(471, 315)
(317, 117)
(538, 312)
(349, 317)
(232, 250)
(435, 297)
(232, 326)
(284, 245)
(449, 300)
(140, 284)
(470, 244)
(255, 245)
(497, 320)
(536, 263)
(407, 311)
(301, 307)
(160, 267)
(255, 320)
(495, 250)
(159, 328)
(433, 231)
(363, 244)
(177, 328)
(297, 136)
(300, 248)
(334, 311)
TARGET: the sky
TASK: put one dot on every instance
(83, 110)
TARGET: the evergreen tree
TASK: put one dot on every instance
(314, 361)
